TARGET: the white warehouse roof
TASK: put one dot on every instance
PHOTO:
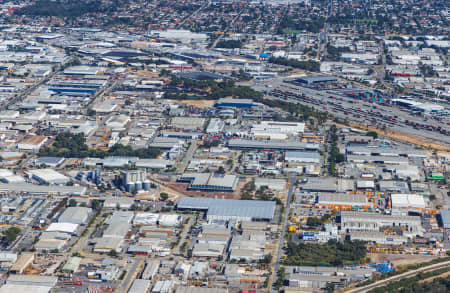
(402, 200)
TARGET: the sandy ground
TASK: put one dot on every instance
(146, 73)
(400, 259)
(417, 140)
(198, 103)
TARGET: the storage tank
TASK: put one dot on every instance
(146, 185)
(138, 185)
(129, 187)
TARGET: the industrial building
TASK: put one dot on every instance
(445, 219)
(33, 189)
(188, 123)
(134, 180)
(379, 238)
(230, 209)
(48, 176)
(75, 215)
(215, 126)
(234, 103)
(302, 157)
(23, 262)
(29, 283)
(315, 79)
(32, 143)
(269, 183)
(344, 200)
(210, 181)
(244, 144)
(140, 286)
(364, 221)
(292, 128)
(71, 265)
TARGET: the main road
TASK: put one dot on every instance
(292, 180)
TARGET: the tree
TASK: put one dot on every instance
(95, 204)
(10, 235)
(112, 253)
(372, 134)
(221, 170)
(164, 196)
(329, 287)
(72, 203)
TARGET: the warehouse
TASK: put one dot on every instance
(188, 123)
(81, 70)
(50, 244)
(63, 228)
(49, 176)
(364, 221)
(208, 250)
(234, 103)
(379, 238)
(29, 283)
(106, 244)
(378, 159)
(271, 145)
(393, 186)
(42, 189)
(407, 201)
(445, 219)
(75, 215)
(343, 200)
(269, 183)
(302, 157)
(183, 289)
(71, 265)
(213, 182)
(140, 286)
(32, 143)
(230, 209)
(118, 230)
(293, 128)
(146, 219)
(316, 79)
(215, 126)
(49, 161)
(23, 262)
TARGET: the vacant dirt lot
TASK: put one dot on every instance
(198, 103)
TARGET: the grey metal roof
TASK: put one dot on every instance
(266, 144)
(308, 155)
(230, 207)
(445, 215)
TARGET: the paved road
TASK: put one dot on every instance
(187, 158)
(132, 270)
(279, 253)
(194, 13)
(176, 249)
(399, 277)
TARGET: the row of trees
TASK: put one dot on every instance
(309, 65)
(334, 157)
(332, 253)
(74, 146)
(229, 44)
